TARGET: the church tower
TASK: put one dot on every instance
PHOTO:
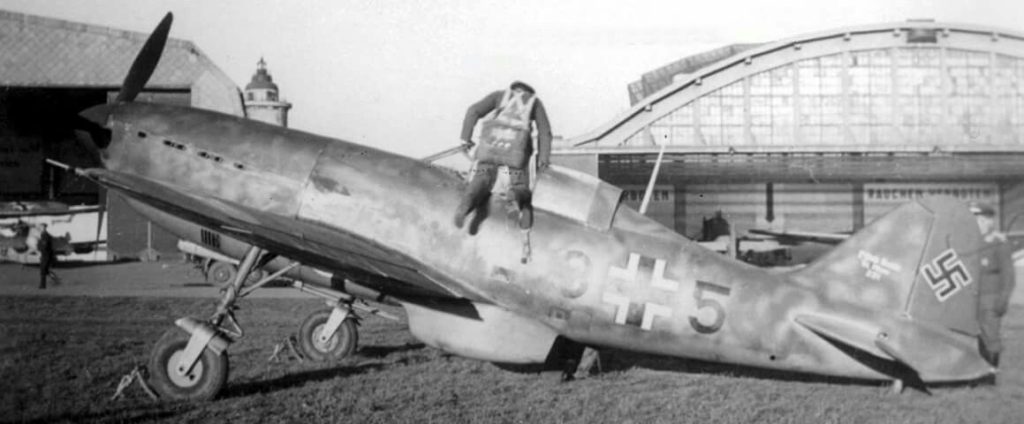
(262, 102)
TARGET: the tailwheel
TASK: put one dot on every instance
(203, 382)
(342, 343)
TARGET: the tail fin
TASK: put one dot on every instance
(920, 261)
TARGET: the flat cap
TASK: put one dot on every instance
(523, 86)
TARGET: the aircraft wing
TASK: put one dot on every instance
(323, 247)
(797, 237)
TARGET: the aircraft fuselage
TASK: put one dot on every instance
(636, 285)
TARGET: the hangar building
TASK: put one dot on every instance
(822, 132)
(52, 69)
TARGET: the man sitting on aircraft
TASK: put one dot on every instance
(997, 282)
(505, 140)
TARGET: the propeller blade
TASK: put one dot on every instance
(145, 62)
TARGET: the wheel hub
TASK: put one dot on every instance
(187, 380)
(327, 346)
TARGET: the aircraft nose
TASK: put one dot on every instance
(99, 114)
(95, 135)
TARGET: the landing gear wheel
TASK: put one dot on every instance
(205, 380)
(221, 273)
(255, 276)
(340, 345)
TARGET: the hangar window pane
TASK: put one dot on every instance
(831, 110)
(832, 133)
(659, 135)
(771, 106)
(871, 100)
(675, 128)
(760, 84)
(820, 89)
(1018, 115)
(1005, 108)
(721, 116)
(920, 101)
(782, 81)
(810, 77)
(969, 80)
(709, 108)
(732, 110)
(683, 135)
(681, 116)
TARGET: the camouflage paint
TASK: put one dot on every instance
(605, 275)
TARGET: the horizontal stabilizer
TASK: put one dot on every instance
(891, 350)
(935, 354)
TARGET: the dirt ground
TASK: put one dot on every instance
(61, 357)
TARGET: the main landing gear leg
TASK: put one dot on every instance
(195, 366)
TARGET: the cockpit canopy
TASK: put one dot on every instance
(577, 196)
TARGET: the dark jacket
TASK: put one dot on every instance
(493, 101)
(45, 247)
(997, 275)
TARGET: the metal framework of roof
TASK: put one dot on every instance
(690, 86)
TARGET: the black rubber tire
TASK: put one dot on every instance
(221, 274)
(341, 344)
(255, 276)
(208, 376)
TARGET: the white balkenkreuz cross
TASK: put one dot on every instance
(629, 273)
(639, 314)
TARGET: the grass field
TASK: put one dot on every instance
(61, 359)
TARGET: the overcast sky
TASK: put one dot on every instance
(399, 75)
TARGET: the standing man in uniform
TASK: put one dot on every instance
(508, 117)
(997, 282)
(47, 257)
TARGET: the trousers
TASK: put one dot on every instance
(479, 189)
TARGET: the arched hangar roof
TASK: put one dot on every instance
(759, 59)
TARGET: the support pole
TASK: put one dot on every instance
(252, 255)
(650, 184)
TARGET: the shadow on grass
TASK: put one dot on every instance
(382, 351)
(297, 379)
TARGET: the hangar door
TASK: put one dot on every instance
(38, 123)
(128, 232)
